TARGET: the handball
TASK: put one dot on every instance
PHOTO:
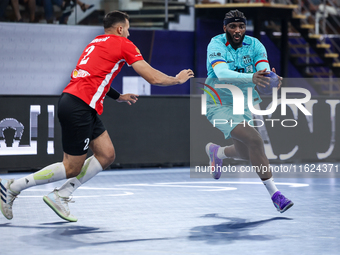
(273, 83)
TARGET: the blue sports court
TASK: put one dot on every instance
(150, 211)
(149, 201)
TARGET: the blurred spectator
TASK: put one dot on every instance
(3, 8)
(324, 11)
(212, 1)
(84, 7)
(329, 8)
(29, 4)
(68, 7)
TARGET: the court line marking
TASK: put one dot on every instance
(174, 185)
(205, 188)
(101, 195)
(294, 185)
(89, 188)
(208, 188)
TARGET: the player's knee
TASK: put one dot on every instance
(72, 172)
(244, 155)
(255, 143)
(110, 156)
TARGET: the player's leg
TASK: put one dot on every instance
(58, 203)
(10, 189)
(103, 156)
(247, 138)
(214, 151)
(236, 151)
(80, 127)
(253, 142)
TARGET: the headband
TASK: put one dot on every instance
(234, 19)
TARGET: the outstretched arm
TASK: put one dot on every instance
(128, 98)
(155, 77)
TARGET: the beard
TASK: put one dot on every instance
(230, 39)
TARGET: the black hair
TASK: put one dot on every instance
(114, 17)
(234, 14)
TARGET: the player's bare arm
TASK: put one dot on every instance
(155, 77)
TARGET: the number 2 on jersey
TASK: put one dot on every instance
(86, 57)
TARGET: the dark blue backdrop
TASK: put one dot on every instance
(172, 51)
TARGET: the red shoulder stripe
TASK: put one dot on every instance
(261, 61)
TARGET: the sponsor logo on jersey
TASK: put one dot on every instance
(138, 51)
(249, 69)
(246, 59)
(100, 40)
(218, 54)
(79, 73)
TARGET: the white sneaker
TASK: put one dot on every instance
(7, 198)
(60, 205)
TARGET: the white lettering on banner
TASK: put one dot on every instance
(10, 145)
(50, 142)
(268, 148)
(309, 106)
(332, 104)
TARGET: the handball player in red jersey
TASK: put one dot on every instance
(79, 106)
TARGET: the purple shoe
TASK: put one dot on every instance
(281, 203)
(215, 163)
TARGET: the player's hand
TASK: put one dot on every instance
(128, 98)
(260, 79)
(184, 75)
(280, 78)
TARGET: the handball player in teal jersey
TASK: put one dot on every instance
(233, 56)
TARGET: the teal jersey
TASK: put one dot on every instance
(235, 66)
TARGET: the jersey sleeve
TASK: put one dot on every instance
(215, 55)
(130, 52)
(216, 51)
(260, 58)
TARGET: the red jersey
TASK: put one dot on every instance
(98, 65)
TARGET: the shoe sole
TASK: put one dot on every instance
(207, 151)
(287, 207)
(50, 204)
